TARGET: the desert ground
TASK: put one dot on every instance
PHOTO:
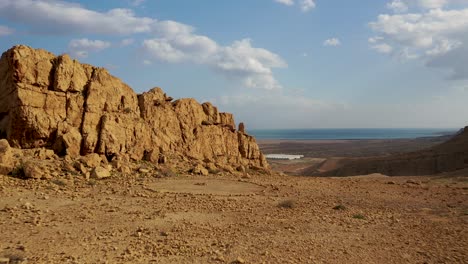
(146, 218)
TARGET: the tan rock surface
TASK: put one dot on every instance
(6, 155)
(100, 173)
(77, 109)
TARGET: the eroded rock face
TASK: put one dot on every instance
(77, 109)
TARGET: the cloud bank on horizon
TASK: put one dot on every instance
(433, 32)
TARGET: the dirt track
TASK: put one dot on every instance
(262, 219)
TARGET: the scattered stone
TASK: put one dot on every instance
(6, 169)
(100, 173)
(413, 182)
(211, 166)
(44, 154)
(200, 170)
(116, 163)
(125, 170)
(241, 168)
(6, 158)
(92, 160)
(35, 170)
(21, 247)
(219, 258)
(81, 168)
(246, 176)
(28, 206)
(144, 170)
(228, 168)
(6, 155)
(104, 160)
(239, 260)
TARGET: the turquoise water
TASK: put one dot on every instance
(353, 133)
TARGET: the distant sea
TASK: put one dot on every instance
(349, 133)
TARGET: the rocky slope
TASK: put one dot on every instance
(446, 157)
(54, 102)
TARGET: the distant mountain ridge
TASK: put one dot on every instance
(449, 156)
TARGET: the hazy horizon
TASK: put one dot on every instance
(274, 64)
(325, 128)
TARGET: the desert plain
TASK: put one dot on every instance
(248, 217)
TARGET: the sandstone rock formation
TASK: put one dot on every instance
(77, 109)
(446, 157)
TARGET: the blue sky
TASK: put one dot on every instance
(273, 63)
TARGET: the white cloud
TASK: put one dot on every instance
(127, 42)
(333, 42)
(401, 6)
(444, 46)
(5, 31)
(285, 2)
(170, 41)
(137, 2)
(437, 36)
(307, 5)
(162, 50)
(430, 4)
(60, 17)
(179, 43)
(397, 6)
(375, 39)
(383, 48)
(80, 48)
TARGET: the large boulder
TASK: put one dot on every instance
(77, 109)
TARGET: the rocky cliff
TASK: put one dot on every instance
(446, 157)
(76, 109)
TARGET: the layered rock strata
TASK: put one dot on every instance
(78, 109)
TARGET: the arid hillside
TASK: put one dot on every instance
(449, 156)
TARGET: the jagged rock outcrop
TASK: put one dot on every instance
(446, 157)
(77, 109)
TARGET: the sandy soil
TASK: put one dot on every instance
(225, 219)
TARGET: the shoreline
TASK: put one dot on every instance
(327, 148)
(344, 140)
